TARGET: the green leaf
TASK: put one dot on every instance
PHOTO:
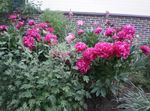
(98, 93)
(66, 88)
(86, 79)
(94, 90)
(103, 92)
(26, 86)
(52, 98)
(26, 94)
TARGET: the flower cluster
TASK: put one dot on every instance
(125, 34)
(104, 50)
(36, 32)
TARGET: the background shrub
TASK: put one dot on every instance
(5, 6)
(30, 9)
(29, 84)
(57, 20)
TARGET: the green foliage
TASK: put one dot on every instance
(90, 38)
(141, 73)
(30, 8)
(28, 83)
(108, 75)
(57, 20)
(5, 6)
(135, 100)
(39, 86)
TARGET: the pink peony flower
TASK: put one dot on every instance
(129, 29)
(70, 37)
(120, 35)
(110, 31)
(80, 31)
(145, 49)
(126, 34)
(50, 29)
(34, 33)
(80, 22)
(89, 54)
(82, 65)
(31, 22)
(3, 28)
(29, 42)
(19, 24)
(98, 30)
(51, 39)
(104, 49)
(80, 46)
(122, 49)
(13, 17)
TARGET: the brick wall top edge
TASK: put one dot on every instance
(104, 14)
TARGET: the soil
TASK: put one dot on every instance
(101, 104)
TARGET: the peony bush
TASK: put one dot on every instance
(109, 56)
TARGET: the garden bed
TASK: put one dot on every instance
(58, 65)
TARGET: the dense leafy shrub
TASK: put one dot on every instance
(42, 86)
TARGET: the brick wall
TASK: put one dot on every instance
(141, 23)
